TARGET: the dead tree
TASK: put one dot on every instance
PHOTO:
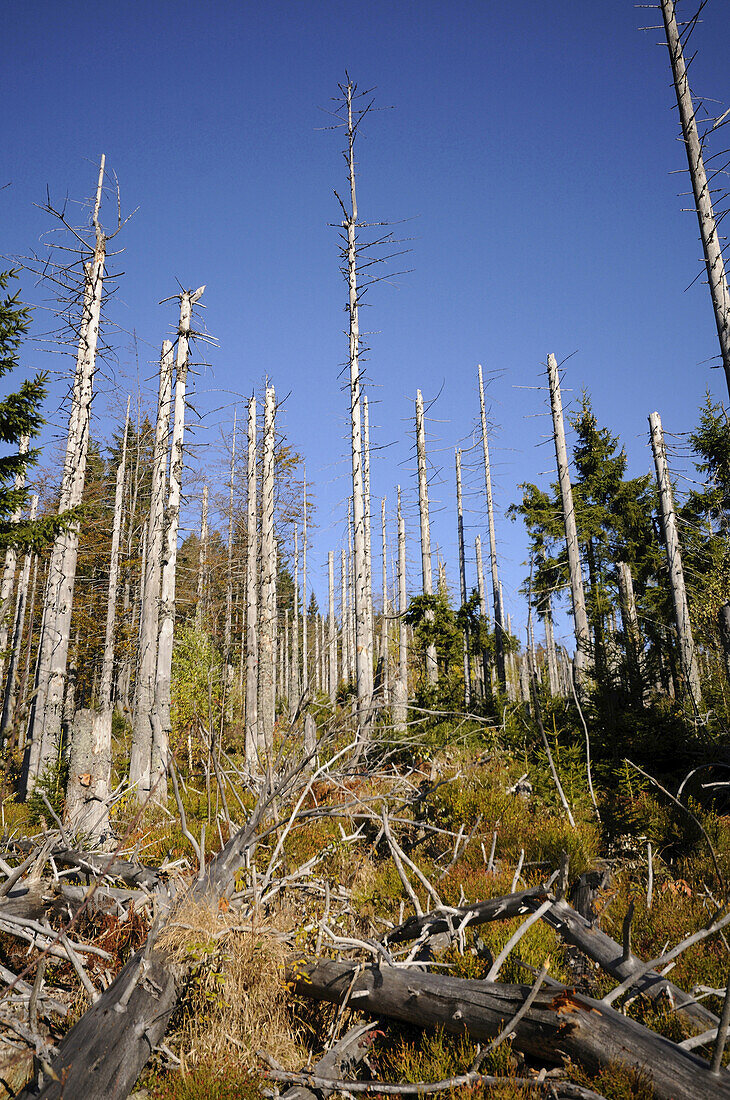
(344, 628)
(580, 617)
(252, 645)
(674, 562)
(305, 632)
(632, 632)
(368, 517)
(11, 561)
(11, 683)
(462, 581)
(499, 645)
(160, 718)
(426, 569)
(141, 753)
(200, 606)
(552, 657)
(267, 606)
(332, 629)
(363, 638)
(384, 620)
(295, 663)
(46, 718)
(400, 687)
(485, 669)
(228, 629)
(714, 262)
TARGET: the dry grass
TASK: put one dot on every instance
(236, 999)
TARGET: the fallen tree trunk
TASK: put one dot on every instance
(560, 1024)
(572, 928)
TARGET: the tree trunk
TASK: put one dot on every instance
(700, 188)
(485, 670)
(400, 690)
(580, 618)
(462, 582)
(723, 620)
(368, 530)
(11, 561)
(305, 610)
(384, 621)
(632, 632)
(228, 630)
(201, 614)
(144, 695)
(499, 647)
(11, 684)
(332, 630)
(674, 562)
(559, 1023)
(552, 659)
(161, 724)
(345, 641)
(46, 718)
(107, 674)
(426, 569)
(252, 614)
(266, 705)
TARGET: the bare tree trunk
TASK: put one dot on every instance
(486, 672)
(305, 632)
(332, 628)
(201, 613)
(252, 614)
(296, 692)
(11, 685)
(46, 718)
(227, 635)
(400, 688)
(632, 632)
(496, 589)
(11, 561)
(462, 582)
(723, 621)
(431, 663)
(714, 262)
(268, 590)
(384, 623)
(580, 618)
(368, 515)
(141, 754)
(161, 725)
(107, 674)
(552, 659)
(346, 664)
(674, 562)
(363, 638)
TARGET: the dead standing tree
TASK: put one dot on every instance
(426, 568)
(252, 647)
(714, 262)
(149, 609)
(496, 587)
(156, 769)
(46, 717)
(580, 617)
(363, 635)
(267, 604)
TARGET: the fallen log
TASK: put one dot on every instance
(340, 1060)
(573, 929)
(560, 1024)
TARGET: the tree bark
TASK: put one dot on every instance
(499, 646)
(426, 568)
(674, 563)
(266, 705)
(580, 618)
(560, 1023)
(332, 630)
(161, 723)
(714, 262)
(252, 645)
(144, 695)
(462, 582)
(201, 614)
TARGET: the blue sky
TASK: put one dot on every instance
(528, 155)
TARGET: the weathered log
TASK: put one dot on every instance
(339, 1061)
(573, 929)
(560, 1024)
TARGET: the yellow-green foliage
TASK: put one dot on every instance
(196, 686)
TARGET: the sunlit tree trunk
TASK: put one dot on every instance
(252, 645)
(426, 569)
(268, 591)
(462, 581)
(494, 567)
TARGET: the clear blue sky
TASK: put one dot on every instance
(531, 145)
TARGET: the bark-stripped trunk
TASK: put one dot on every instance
(200, 607)
(228, 629)
(426, 569)
(295, 673)
(268, 590)
(632, 631)
(252, 613)
(384, 621)
(552, 658)
(161, 725)
(485, 669)
(462, 581)
(674, 563)
(580, 618)
(499, 646)
(46, 718)
(368, 516)
(363, 638)
(714, 262)
(11, 684)
(11, 561)
(400, 688)
(345, 640)
(144, 695)
(107, 672)
(332, 629)
(305, 631)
